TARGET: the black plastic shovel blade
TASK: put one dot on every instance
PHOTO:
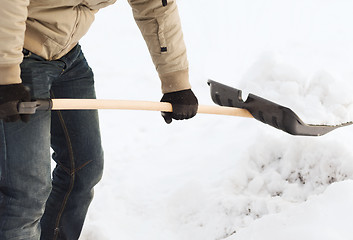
(267, 112)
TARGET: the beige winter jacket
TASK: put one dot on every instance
(51, 28)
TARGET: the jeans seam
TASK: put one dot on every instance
(70, 172)
(67, 170)
(82, 166)
(72, 175)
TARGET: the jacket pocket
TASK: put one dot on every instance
(161, 36)
(153, 33)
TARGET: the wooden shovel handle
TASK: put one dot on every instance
(71, 104)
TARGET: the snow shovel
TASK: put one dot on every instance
(267, 112)
(86, 104)
(229, 98)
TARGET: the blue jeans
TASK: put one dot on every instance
(34, 205)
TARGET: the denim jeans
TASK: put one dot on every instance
(33, 203)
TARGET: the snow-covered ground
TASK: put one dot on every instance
(219, 177)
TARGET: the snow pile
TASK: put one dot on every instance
(280, 172)
(272, 177)
(291, 169)
(329, 99)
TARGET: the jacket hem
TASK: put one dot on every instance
(37, 43)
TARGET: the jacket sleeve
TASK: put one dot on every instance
(160, 26)
(13, 15)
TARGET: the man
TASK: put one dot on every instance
(40, 58)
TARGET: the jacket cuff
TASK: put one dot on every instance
(175, 81)
(10, 74)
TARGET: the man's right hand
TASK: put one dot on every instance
(184, 104)
(10, 96)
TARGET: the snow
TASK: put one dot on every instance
(220, 177)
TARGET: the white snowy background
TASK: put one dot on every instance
(220, 177)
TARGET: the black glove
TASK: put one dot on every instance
(184, 105)
(10, 96)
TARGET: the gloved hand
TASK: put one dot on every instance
(184, 104)
(10, 96)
